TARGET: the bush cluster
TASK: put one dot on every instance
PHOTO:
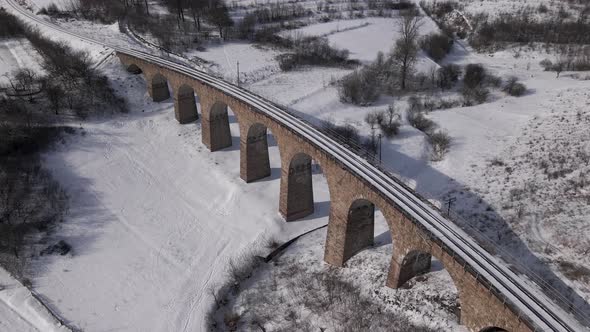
(522, 29)
(360, 87)
(313, 51)
(513, 87)
(440, 143)
(350, 137)
(70, 81)
(363, 86)
(574, 63)
(447, 76)
(436, 45)
(417, 120)
(31, 200)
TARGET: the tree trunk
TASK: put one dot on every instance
(147, 9)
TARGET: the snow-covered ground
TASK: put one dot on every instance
(255, 62)
(365, 37)
(15, 54)
(20, 311)
(300, 278)
(536, 9)
(155, 216)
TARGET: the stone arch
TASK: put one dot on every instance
(493, 329)
(255, 161)
(185, 104)
(416, 262)
(297, 198)
(218, 126)
(352, 225)
(360, 227)
(134, 69)
(158, 88)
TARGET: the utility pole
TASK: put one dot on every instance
(450, 202)
(379, 147)
(238, 73)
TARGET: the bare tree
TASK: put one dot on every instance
(374, 119)
(219, 16)
(198, 7)
(406, 47)
(55, 94)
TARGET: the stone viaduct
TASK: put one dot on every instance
(353, 201)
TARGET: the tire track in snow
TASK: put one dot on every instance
(10, 308)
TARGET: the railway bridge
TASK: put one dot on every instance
(492, 298)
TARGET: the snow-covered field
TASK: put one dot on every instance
(255, 62)
(15, 54)
(365, 37)
(155, 216)
(150, 221)
(300, 278)
(20, 311)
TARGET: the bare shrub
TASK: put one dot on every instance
(306, 51)
(502, 30)
(475, 75)
(359, 88)
(417, 120)
(474, 96)
(390, 126)
(440, 143)
(448, 75)
(513, 87)
(546, 64)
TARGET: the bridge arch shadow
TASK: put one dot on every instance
(134, 69)
(159, 88)
(255, 157)
(186, 104)
(417, 264)
(297, 189)
(217, 133)
(493, 329)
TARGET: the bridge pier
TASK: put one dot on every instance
(185, 106)
(254, 158)
(296, 200)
